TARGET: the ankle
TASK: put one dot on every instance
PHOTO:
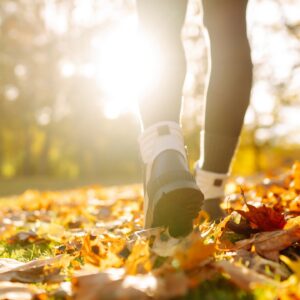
(211, 184)
(161, 137)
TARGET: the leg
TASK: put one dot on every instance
(172, 198)
(230, 81)
(161, 22)
(229, 88)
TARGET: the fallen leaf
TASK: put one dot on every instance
(269, 245)
(243, 277)
(194, 251)
(25, 237)
(16, 291)
(139, 259)
(42, 270)
(261, 265)
(263, 218)
(113, 286)
(52, 232)
(294, 265)
(108, 286)
(97, 252)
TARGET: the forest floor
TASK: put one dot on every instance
(89, 244)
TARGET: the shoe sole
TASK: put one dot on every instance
(177, 205)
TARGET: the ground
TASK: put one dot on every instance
(89, 243)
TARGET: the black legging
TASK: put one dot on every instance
(230, 81)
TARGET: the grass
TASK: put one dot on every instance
(26, 253)
(219, 288)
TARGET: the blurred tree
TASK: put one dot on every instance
(51, 122)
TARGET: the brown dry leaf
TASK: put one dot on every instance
(72, 247)
(35, 271)
(172, 285)
(269, 245)
(112, 285)
(259, 264)
(105, 286)
(243, 277)
(25, 237)
(7, 264)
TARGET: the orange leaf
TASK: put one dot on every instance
(194, 252)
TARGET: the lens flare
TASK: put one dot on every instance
(126, 66)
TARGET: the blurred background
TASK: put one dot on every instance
(68, 91)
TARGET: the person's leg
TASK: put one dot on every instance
(172, 198)
(160, 22)
(228, 93)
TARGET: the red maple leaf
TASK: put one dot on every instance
(263, 218)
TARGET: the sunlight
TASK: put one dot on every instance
(262, 99)
(126, 65)
(67, 69)
(54, 12)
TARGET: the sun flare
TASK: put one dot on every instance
(125, 66)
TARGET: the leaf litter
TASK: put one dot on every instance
(90, 244)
